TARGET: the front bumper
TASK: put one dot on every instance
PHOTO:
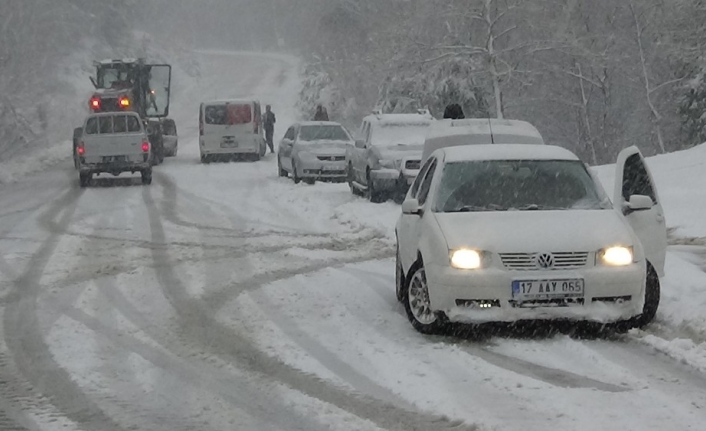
(322, 170)
(484, 296)
(392, 179)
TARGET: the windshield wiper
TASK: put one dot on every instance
(535, 207)
(474, 208)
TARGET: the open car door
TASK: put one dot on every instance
(633, 186)
(159, 90)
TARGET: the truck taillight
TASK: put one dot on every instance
(145, 146)
(124, 102)
(95, 103)
(81, 149)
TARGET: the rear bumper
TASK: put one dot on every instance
(245, 146)
(113, 168)
(610, 294)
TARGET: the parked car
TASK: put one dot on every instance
(501, 233)
(313, 151)
(475, 131)
(170, 137)
(113, 142)
(231, 128)
(385, 161)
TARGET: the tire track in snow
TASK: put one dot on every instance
(198, 324)
(24, 338)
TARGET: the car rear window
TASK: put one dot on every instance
(228, 115)
(169, 128)
(113, 124)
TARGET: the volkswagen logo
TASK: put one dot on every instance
(545, 260)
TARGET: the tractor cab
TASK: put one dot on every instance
(131, 85)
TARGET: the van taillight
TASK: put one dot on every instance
(145, 146)
(81, 149)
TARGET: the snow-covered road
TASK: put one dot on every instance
(224, 297)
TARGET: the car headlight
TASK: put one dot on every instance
(389, 164)
(616, 256)
(466, 259)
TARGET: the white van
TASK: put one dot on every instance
(230, 128)
(479, 131)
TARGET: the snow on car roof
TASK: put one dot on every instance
(505, 152)
(319, 123)
(399, 119)
(503, 129)
(119, 60)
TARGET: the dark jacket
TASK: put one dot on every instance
(321, 115)
(269, 120)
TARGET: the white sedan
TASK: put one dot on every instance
(500, 233)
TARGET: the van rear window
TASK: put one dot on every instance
(228, 115)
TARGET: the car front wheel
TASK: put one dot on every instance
(652, 296)
(417, 304)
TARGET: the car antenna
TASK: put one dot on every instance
(490, 124)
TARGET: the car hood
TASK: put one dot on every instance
(400, 152)
(332, 148)
(535, 231)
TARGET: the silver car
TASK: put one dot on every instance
(314, 151)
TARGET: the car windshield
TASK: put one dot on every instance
(518, 185)
(323, 133)
(399, 134)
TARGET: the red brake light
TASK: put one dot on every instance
(95, 103)
(81, 150)
(124, 102)
(145, 146)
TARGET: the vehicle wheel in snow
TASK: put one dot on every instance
(205, 159)
(310, 181)
(652, 296)
(375, 196)
(147, 177)
(256, 157)
(282, 172)
(174, 153)
(351, 181)
(295, 176)
(84, 180)
(399, 277)
(415, 296)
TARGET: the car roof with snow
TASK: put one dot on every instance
(504, 152)
(422, 117)
(319, 123)
(478, 131)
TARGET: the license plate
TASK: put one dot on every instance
(528, 290)
(114, 159)
(332, 168)
(229, 142)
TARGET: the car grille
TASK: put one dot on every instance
(413, 164)
(332, 158)
(560, 260)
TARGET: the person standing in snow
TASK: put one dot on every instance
(454, 112)
(321, 114)
(269, 124)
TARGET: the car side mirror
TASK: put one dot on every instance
(637, 203)
(359, 143)
(412, 207)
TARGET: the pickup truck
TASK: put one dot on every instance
(113, 143)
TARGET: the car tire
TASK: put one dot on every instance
(147, 177)
(256, 157)
(652, 297)
(351, 180)
(310, 181)
(399, 277)
(282, 172)
(415, 297)
(204, 159)
(374, 196)
(84, 180)
(295, 176)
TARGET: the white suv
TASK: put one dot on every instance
(387, 159)
(499, 233)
